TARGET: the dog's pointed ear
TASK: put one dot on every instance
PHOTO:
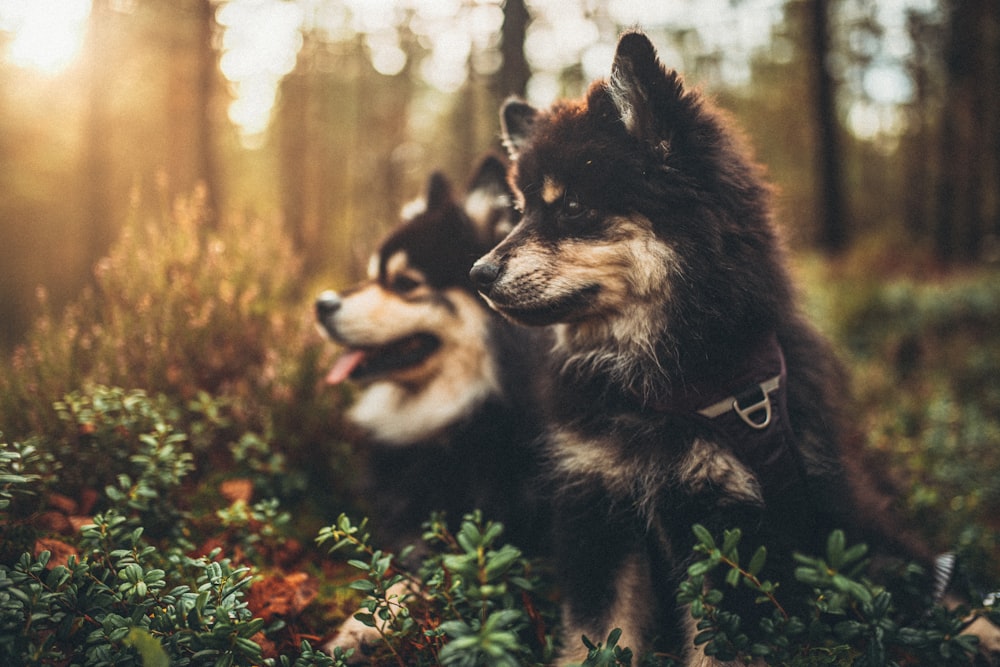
(438, 192)
(490, 176)
(489, 202)
(516, 120)
(639, 85)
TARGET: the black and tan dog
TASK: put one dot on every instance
(445, 404)
(686, 385)
(444, 398)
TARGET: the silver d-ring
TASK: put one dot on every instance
(744, 413)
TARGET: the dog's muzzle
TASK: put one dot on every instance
(327, 305)
(484, 275)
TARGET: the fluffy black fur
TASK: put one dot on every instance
(647, 243)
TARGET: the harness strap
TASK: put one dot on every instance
(741, 404)
(751, 418)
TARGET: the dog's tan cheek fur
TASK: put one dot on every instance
(634, 267)
(457, 380)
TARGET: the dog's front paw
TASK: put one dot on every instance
(353, 634)
(989, 640)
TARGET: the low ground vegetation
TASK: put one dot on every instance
(175, 488)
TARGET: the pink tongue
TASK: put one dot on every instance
(344, 366)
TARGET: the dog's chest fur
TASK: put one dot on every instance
(642, 460)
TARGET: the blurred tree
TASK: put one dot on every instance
(780, 79)
(968, 192)
(343, 137)
(191, 63)
(833, 229)
(512, 77)
(207, 91)
(102, 203)
(916, 150)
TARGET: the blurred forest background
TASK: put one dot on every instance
(178, 178)
(877, 119)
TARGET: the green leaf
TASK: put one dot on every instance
(835, 545)
(697, 609)
(704, 537)
(149, 648)
(700, 568)
(366, 619)
(809, 575)
(363, 585)
(730, 541)
(758, 560)
(499, 562)
(855, 553)
(704, 637)
(492, 533)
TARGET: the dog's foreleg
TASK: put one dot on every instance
(629, 607)
(604, 568)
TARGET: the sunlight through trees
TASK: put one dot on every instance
(330, 113)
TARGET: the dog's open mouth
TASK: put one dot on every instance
(367, 363)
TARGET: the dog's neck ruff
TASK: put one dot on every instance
(747, 412)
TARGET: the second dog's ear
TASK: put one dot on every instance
(438, 192)
(489, 203)
(516, 119)
(490, 175)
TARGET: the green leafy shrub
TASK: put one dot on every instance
(22, 471)
(116, 604)
(849, 621)
(456, 607)
(925, 358)
(210, 332)
(115, 593)
(471, 601)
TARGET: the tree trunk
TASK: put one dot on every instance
(918, 152)
(968, 189)
(206, 161)
(293, 127)
(512, 78)
(97, 160)
(832, 236)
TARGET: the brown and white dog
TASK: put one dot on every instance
(445, 400)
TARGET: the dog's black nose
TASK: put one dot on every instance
(327, 304)
(484, 274)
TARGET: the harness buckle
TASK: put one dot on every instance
(762, 402)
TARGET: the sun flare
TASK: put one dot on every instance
(46, 35)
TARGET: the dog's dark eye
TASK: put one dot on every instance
(403, 283)
(575, 212)
(572, 208)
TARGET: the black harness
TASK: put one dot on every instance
(748, 414)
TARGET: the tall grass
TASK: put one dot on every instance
(216, 319)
